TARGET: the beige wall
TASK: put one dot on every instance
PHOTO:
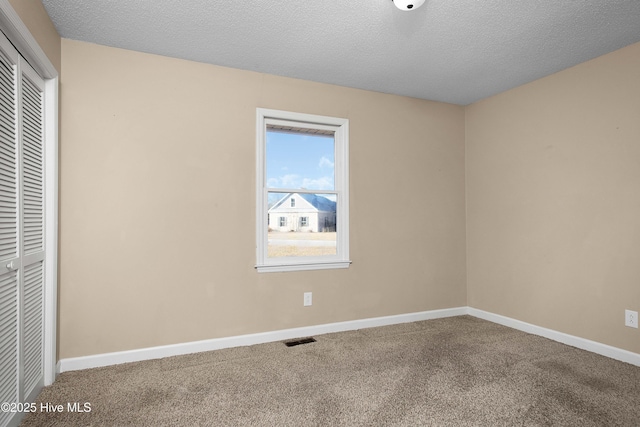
(553, 200)
(155, 154)
(35, 18)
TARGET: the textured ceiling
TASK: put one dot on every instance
(456, 51)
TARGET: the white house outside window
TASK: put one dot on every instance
(302, 191)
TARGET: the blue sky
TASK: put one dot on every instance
(300, 161)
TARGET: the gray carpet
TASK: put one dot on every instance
(459, 371)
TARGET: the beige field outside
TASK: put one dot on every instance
(300, 244)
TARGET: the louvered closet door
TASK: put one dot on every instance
(21, 231)
(31, 125)
(9, 199)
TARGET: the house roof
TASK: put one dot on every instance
(321, 203)
(456, 51)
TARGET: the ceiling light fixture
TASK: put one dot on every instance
(408, 4)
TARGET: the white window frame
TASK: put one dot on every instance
(340, 128)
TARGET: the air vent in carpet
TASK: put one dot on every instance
(299, 341)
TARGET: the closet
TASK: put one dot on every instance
(22, 237)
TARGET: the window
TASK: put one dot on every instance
(303, 179)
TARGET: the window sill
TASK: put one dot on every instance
(275, 268)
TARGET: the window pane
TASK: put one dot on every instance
(301, 224)
(300, 160)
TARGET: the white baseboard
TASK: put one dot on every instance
(584, 344)
(98, 360)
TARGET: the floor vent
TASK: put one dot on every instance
(299, 342)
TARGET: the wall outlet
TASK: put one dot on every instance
(631, 318)
(308, 300)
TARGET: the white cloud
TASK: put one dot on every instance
(289, 181)
(296, 181)
(284, 181)
(273, 182)
(322, 183)
(325, 163)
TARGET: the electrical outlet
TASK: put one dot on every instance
(307, 298)
(631, 318)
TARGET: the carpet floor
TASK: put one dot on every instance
(458, 371)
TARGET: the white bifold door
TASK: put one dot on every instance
(22, 254)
